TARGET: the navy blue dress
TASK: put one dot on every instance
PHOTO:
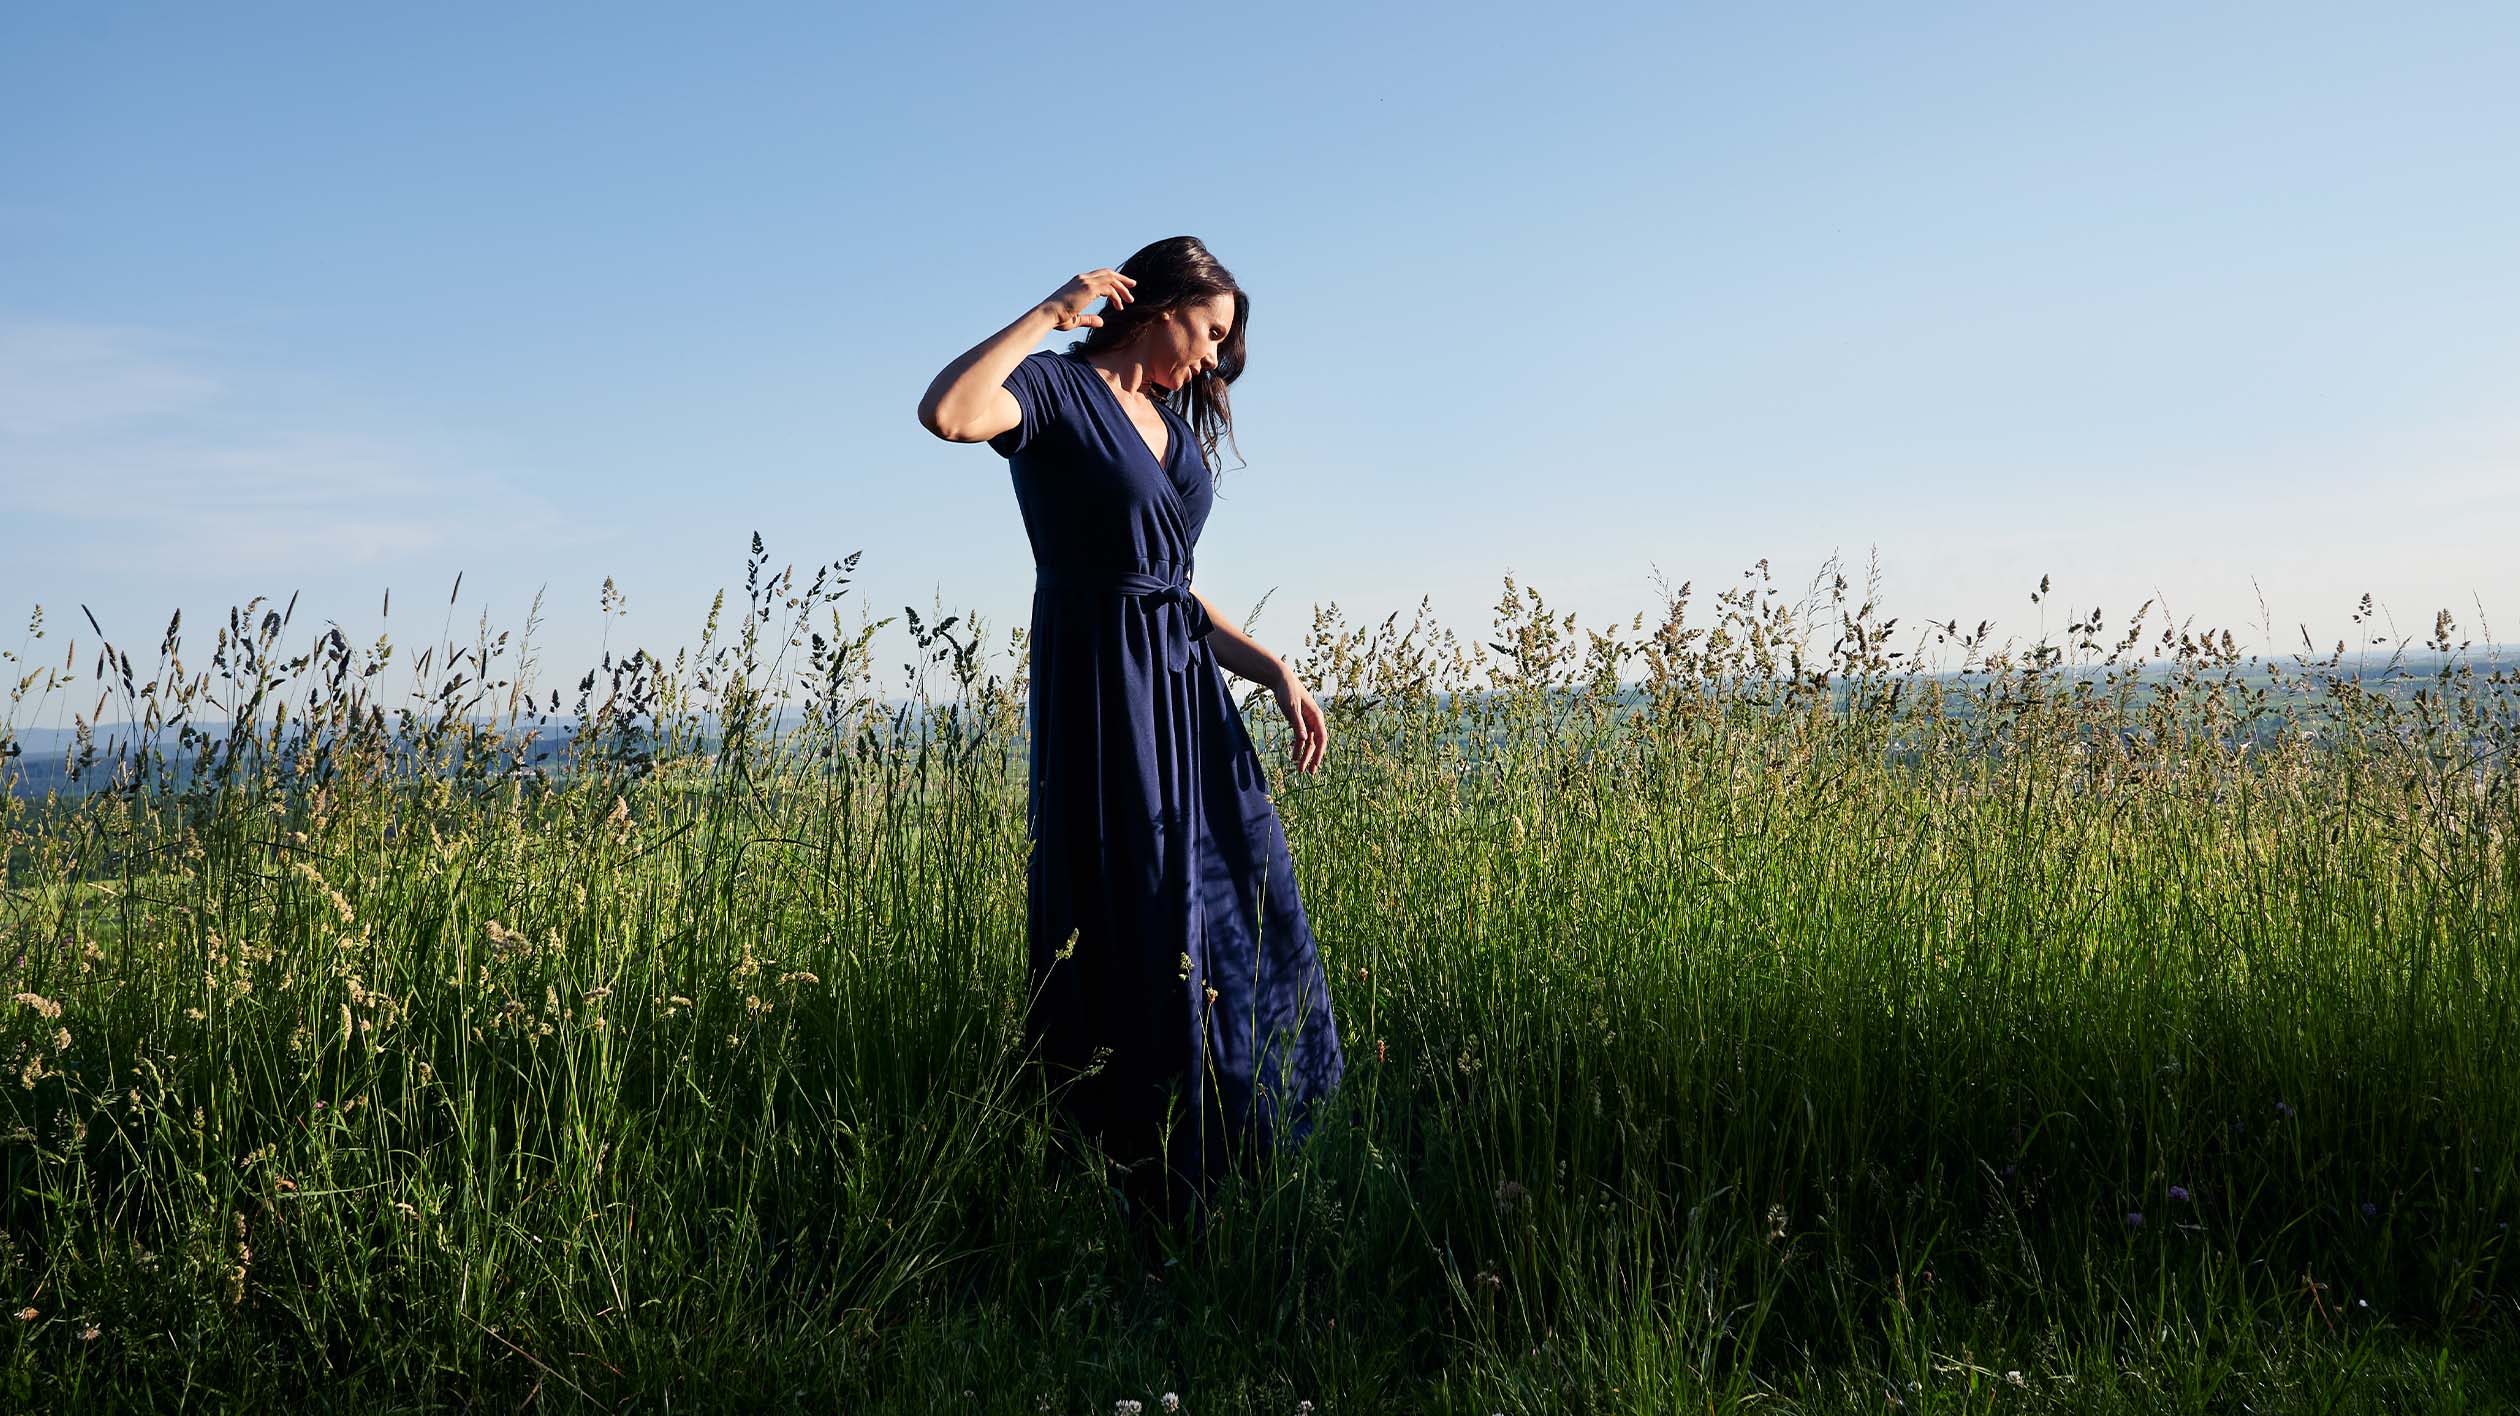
(1154, 845)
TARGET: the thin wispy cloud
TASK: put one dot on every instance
(131, 442)
(58, 378)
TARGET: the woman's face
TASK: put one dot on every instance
(1186, 341)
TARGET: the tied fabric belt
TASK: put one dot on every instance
(1162, 583)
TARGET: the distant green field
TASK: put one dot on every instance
(1721, 1028)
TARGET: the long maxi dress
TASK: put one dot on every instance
(1154, 844)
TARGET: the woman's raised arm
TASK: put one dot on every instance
(968, 401)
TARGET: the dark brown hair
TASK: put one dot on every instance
(1174, 274)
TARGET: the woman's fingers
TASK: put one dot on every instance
(1070, 300)
(1315, 735)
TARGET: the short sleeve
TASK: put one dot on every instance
(1036, 394)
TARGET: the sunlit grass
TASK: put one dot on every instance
(1725, 1016)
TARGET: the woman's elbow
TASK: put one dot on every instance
(932, 418)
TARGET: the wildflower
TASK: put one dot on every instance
(1172, 1401)
(1303, 1408)
(27, 1315)
(1382, 1052)
(2134, 1219)
(1509, 1193)
(2285, 1110)
(61, 1039)
(2016, 1379)
(2179, 1193)
(90, 1333)
(1127, 1407)
(44, 1007)
(2369, 1209)
(597, 994)
(800, 976)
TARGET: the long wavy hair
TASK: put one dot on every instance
(1174, 274)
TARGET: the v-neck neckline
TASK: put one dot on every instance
(1172, 436)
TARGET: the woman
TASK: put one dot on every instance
(1167, 940)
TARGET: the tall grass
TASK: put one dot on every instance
(1726, 1019)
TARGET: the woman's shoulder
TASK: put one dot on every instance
(1052, 369)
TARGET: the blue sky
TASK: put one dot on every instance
(2148, 299)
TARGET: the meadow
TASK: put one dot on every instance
(1731, 1022)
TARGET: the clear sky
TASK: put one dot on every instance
(2147, 298)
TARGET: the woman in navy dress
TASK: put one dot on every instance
(1178, 1002)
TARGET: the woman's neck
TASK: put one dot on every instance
(1126, 376)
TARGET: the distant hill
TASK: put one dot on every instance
(2414, 663)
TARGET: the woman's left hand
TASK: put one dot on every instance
(1304, 716)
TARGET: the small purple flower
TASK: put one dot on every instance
(2179, 1193)
(2369, 1209)
(2134, 1219)
(2285, 1110)
(2239, 1128)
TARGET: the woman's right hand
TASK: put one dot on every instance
(1068, 305)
